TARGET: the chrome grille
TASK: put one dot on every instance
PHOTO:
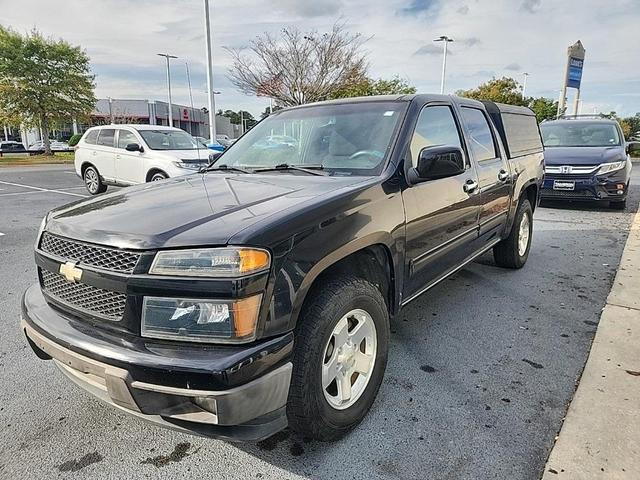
(547, 192)
(102, 303)
(101, 257)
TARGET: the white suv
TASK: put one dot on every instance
(130, 154)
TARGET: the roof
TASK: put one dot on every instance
(138, 126)
(582, 120)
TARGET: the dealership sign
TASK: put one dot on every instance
(575, 72)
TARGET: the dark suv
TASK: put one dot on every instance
(586, 159)
(258, 293)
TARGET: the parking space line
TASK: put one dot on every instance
(43, 189)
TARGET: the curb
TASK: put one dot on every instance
(600, 437)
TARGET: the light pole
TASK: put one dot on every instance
(212, 103)
(524, 83)
(446, 40)
(167, 56)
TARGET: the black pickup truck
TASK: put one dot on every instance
(258, 293)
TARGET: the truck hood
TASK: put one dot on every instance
(193, 210)
(582, 155)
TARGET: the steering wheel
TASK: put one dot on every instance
(371, 158)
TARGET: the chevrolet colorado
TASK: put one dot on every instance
(258, 292)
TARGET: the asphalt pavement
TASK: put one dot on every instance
(481, 368)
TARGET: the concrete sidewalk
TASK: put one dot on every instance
(600, 437)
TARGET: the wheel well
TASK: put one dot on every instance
(84, 166)
(153, 171)
(372, 263)
(531, 192)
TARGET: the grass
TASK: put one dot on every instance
(58, 158)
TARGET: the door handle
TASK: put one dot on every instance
(470, 186)
(502, 175)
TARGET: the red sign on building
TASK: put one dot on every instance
(185, 114)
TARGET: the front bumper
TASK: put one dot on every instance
(154, 382)
(589, 188)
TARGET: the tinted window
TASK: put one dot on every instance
(480, 137)
(125, 137)
(106, 137)
(522, 134)
(169, 140)
(576, 133)
(435, 126)
(91, 137)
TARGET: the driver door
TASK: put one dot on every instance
(441, 214)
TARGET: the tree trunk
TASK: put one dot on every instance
(45, 135)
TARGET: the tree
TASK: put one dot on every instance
(268, 110)
(631, 127)
(544, 108)
(367, 87)
(501, 90)
(296, 68)
(43, 81)
(237, 117)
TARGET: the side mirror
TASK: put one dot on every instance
(439, 161)
(134, 147)
(633, 148)
(214, 156)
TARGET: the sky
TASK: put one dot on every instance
(491, 38)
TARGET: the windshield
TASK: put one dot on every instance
(349, 139)
(579, 134)
(169, 140)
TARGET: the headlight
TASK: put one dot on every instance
(211, 262)
(188, 166)
(199, 320)
(611, 167)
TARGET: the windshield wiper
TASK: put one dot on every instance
(224, 167)
(310, 169)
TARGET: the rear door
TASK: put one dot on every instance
(103, 153)
(494, 177)
(441, 214)
(129, 165)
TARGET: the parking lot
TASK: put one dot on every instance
(480, 373)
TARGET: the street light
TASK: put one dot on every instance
(524, 83)
(446, 40)
(211, 93)
(167, 56)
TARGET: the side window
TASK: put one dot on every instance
(91, 137)
(435, 126)
(125, 137)
(480, 137)
(106, 137)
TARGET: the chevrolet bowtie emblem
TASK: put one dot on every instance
(71, 272)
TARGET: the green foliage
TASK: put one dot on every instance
(366, 86)
(631, 127)
(43, 81)
(236, 117)
(73, 141)
(507, 90)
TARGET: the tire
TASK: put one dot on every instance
(312, 410)
(92, 181)
(156, 177)
(510, 253)
(621, 205)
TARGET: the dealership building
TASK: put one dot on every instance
(110, 110)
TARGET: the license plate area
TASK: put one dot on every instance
(564, 185)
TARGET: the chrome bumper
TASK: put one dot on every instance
(178, 408)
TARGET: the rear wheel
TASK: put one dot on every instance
(513, 251)
(92, 181)
(339, 358)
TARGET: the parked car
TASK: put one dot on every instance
(11, 146)
(216, 146)
(586, 159)
(131, 154)
(56, 146)
(258, 293)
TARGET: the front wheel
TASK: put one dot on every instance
(92, 181)
(339, 358)
(513, 251)
(156, 177)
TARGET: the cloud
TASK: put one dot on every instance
(463, 10)
(470, 42)
(417, 7)
(309, 9)
(531, 6)
(514, 67)
(430, 49)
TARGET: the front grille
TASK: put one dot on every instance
(101, 257)
(567, 177)
(547, 192)
(101, 303)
